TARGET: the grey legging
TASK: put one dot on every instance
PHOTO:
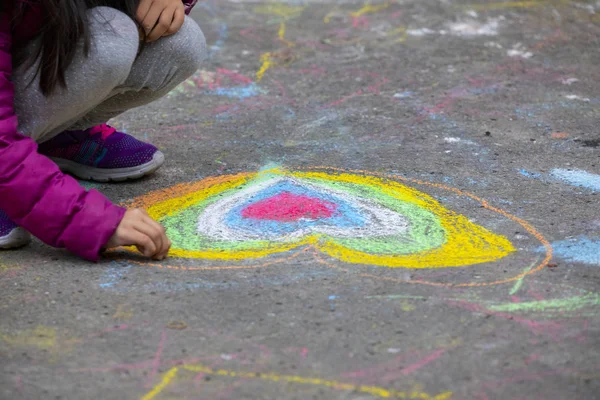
(111, 80)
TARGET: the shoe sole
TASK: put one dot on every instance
(18, 237)
(110, 174)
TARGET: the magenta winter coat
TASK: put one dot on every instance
(33, 191)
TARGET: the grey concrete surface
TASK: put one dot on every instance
(496, 99)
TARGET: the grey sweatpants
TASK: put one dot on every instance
(111, 80)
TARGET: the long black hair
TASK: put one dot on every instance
(65, 25)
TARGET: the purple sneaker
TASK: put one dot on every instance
(102, 154)
(11, 235)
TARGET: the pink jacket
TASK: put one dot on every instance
(33, 192)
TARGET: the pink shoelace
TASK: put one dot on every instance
(103, 129)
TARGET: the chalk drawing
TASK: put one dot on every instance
(173, 202)
(352, 218)
(569, 304)
(580, 249)
(404, 95)
(113, 275)
(466, 29)
(517, 286)
(420, 32)
(44, 338)
(266, 60)
(459, 140)
(223, 35)
(279, 9)
(123, 312)
(400, 33)
(369, 9)
(514, 4)
(9, 270)
(175, 372)
(518, 50)
(577, 177)
(574, 177)
(568, 81)
(530, 174)
(576, 97)
(281, 35)
(584, 304)
(476, 28)
(221, 82)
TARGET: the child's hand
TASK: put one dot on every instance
(160, 17)
(138, 229)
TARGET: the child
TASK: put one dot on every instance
(66, 68)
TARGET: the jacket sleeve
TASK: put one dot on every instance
(33, 191)
(189, 4)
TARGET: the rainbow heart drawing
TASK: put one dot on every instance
(354, 218)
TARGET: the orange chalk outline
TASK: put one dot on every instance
(188, 188)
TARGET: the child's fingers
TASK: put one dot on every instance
(142, 10)
(143, 243)
(150, 21)
(160, 238)
(165, 252)
(162, 252)
(152, 230)
(178, 20)
(164, 22)
(160, 233)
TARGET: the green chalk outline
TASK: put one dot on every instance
(569, 304)
(565, 308)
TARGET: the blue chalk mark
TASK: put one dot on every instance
(131, 285)
(241, 92)
(581, 249)
(529, 174)
(332, 305)
(290, 114)
(404, 95)
(180, 287)
(270, 165)
(113, 275)
(223, 36)
(577, 177)
(345, 215)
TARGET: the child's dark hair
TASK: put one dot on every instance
(64, 27)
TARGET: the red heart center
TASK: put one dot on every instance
(289, 207)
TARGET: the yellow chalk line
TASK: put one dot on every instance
(281, 35)
(369, 9)
(267, 62)
(513, 4)
(272, 377)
